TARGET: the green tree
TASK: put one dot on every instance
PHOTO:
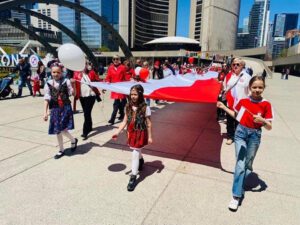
(9, 49)
(283, 53)
(104, 49)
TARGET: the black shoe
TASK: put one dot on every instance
(141, 163)
(74, 145)
(132, 183)
(59, 155)
(111, 122)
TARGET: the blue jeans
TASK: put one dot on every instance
(21, 83)
(247, 141)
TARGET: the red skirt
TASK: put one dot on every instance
(136, 138)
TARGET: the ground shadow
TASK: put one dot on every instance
(117, 167)
(82, 149)
(101, 129)
(149, 169)
(254, 184)
(183, 131)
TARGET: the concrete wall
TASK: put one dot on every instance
(219, 24)
(294, 50)
(172, 17)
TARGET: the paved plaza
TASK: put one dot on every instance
(187, 176)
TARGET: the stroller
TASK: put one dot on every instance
(5, 88)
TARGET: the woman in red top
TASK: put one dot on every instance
(116, 73)
(129, 71)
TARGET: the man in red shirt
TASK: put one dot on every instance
(116, 73)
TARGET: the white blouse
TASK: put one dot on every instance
(55, 84)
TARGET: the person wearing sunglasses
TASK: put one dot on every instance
(235, 87)
(116, 73)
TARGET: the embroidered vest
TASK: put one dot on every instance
(139, 120)
(60, 96)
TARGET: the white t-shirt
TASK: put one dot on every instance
(85, 90)
(137, 70)
(241, 89)
(148, 110)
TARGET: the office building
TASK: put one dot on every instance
(47, 10)
(208, 21)
(258, 23)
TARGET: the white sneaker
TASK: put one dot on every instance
(233, 204)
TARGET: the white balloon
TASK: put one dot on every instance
(71, 56)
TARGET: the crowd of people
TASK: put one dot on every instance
(240, 105)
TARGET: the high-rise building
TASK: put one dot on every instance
(152, 19)
(71, 19)
(47, 10)
(208, 21)
(11, 34)
(246, 25)
(91, 32)
(258, 23)
(284, 22)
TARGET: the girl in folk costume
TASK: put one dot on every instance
(139, 130)
(57, 92)
(253, 113)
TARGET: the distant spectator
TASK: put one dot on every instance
(24, 75)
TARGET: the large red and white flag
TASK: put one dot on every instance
(187, 88)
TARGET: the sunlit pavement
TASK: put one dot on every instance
(187, 176)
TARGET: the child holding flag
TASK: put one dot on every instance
(252, 113)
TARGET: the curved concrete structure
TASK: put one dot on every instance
(154, 19)
(218, 25)
(32, 34)
(63, 28)
(9, 4)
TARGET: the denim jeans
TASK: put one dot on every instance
(247, 141)
(23, 80)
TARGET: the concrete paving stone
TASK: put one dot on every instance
(15, 165)
(77, 191)
(12, 147)
(206, 201)
(186, 179)
(35, 137)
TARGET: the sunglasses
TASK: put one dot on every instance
(236, 64)
(115, 59)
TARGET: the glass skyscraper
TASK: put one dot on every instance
(258, 23)
(92, 33)
(71, 19)
(284, 22)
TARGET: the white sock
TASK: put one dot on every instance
(135, 161)
(68, 135)
(60, 142)
(140, 154)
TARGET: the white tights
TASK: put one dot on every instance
(136, 156)
(60, 139)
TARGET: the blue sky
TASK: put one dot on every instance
(276, 6)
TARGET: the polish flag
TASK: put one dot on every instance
(176, 88)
